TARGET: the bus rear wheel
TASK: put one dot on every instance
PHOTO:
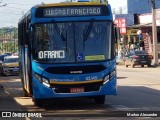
(100, 99)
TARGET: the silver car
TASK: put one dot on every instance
(10, 65)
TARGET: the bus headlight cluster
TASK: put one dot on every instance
(38, 77)
(112, 74)
(45, 82)
(106, 79)
(109, 77)
(42, 80)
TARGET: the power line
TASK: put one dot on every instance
(9, 16)
(7, 22)
(10, 13)
(16, 8)
(19, 4)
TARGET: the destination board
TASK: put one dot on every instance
(70, 11)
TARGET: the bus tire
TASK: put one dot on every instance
(3, 74)
(0, 72)
(100, 99)
(149, 65)
(38, 102)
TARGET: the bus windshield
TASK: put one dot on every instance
(61, 42)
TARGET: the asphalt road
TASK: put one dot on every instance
(138, 90)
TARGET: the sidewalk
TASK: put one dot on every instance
(7, 103)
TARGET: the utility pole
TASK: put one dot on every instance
(154, 34)
(14, 40)
(2, 42)
(10, 43)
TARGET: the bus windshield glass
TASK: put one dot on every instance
(70, 42)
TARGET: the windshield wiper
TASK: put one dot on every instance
(88, 30)
(58, 30)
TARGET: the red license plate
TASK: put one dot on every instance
(76, 90)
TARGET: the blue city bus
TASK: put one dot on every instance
(67, 50)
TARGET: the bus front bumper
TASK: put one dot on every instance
(41, 91)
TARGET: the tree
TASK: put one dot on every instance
(8, 39)
(104, 1)
(95, 0)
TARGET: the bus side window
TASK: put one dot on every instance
(27, 37)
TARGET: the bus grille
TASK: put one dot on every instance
(87, 87)
(68, 69)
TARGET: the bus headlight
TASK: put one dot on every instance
(106, 79)
(109, 76)
(38, 77)
(42, 80)
(112, 74)
(45, 82)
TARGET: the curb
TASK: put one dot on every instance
(152, 66)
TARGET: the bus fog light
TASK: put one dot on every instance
(106, 79)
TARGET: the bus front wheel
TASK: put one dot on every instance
(38, 102)
(100, 99)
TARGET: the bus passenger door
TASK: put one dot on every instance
(27, 81)
(23, 75)
(27, 64)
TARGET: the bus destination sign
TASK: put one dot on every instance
(81, 11)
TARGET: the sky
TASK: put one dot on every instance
(14, 9)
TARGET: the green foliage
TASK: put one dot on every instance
(8, 30)
(8, 39)
(104, 1)
(95, 0)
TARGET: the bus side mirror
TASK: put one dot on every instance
(117, 34)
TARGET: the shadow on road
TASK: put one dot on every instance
(129, 98)
(137, 98)
(12, 85)
(122, 77)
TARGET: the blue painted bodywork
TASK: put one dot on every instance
(40, 91)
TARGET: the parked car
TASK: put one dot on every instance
(9, 54)
(139, 57)
(10, 65)
(2, 57)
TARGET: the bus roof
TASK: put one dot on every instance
(70, 4)
(61, 4)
